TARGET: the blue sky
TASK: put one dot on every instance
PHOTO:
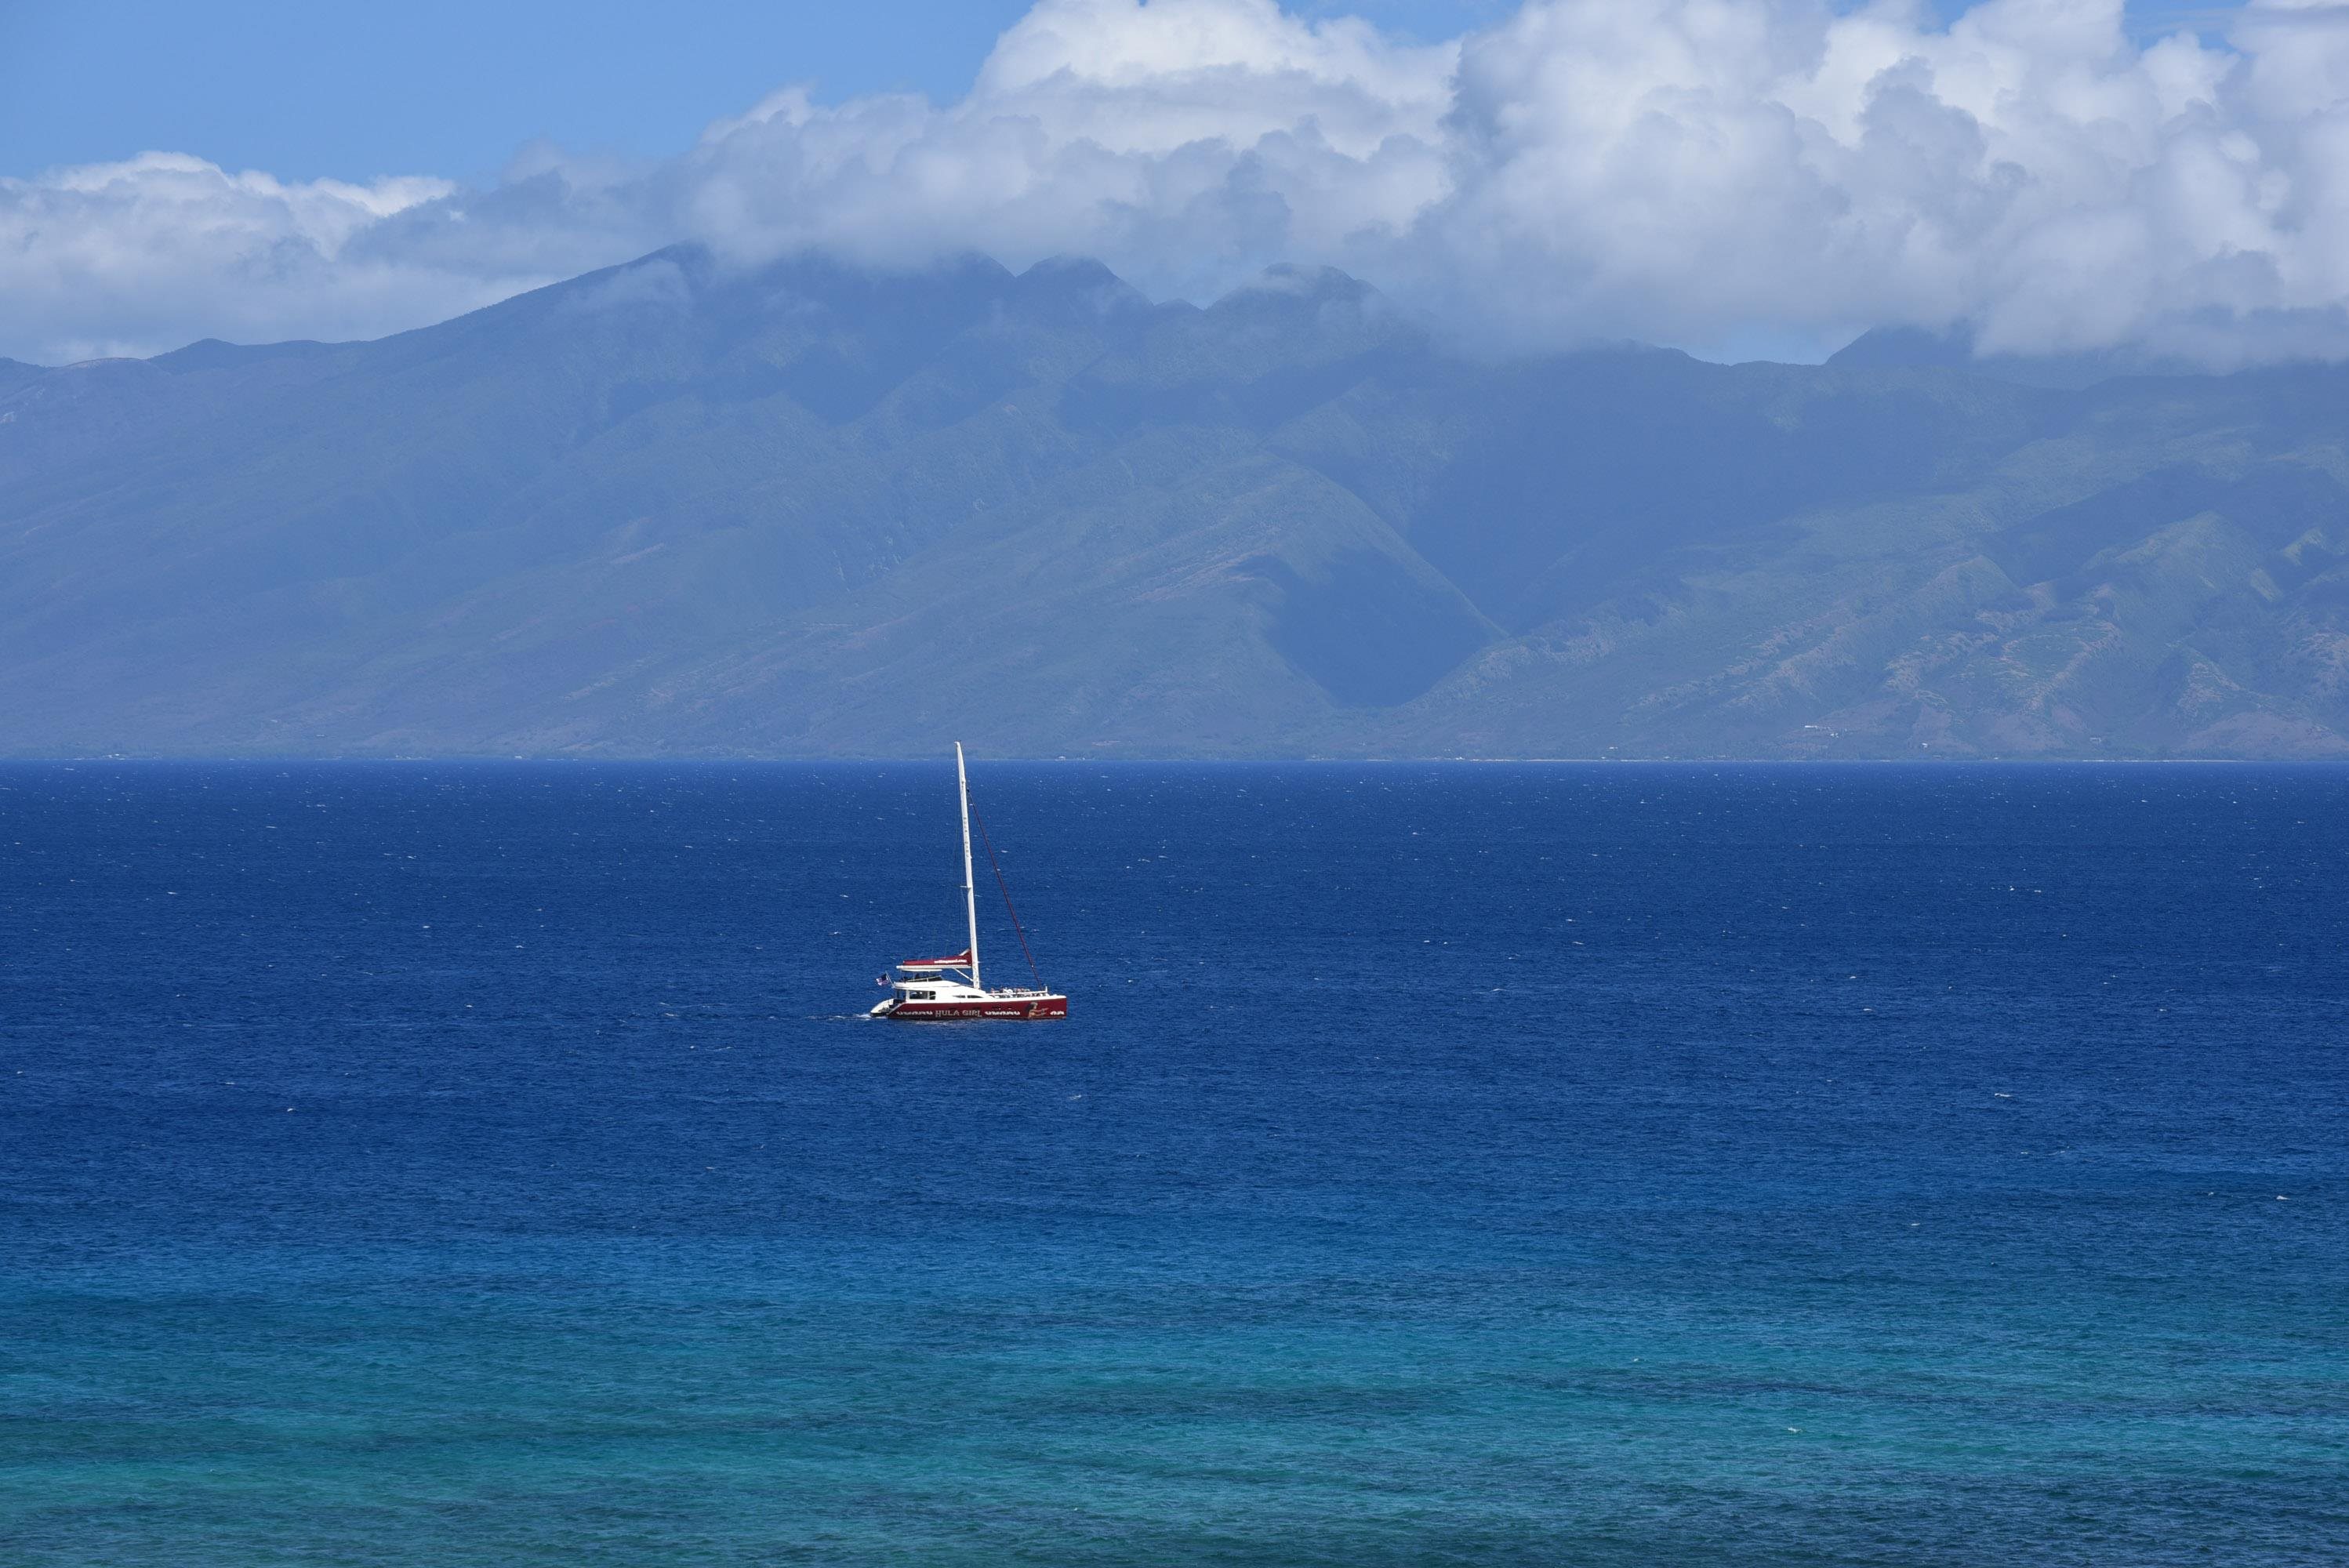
(438, 87)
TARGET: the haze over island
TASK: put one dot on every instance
(1211, 379)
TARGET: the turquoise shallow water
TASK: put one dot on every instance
(1525, 1164)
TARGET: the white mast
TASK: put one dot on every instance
(970, 893)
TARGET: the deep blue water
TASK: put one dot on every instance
(1606, 1165)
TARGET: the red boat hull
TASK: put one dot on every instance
(1008, 1007)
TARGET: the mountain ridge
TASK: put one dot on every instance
(673, 508)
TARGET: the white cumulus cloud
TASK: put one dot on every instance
(129, 257)
(1693, 171)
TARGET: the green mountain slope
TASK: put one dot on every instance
(673, 509)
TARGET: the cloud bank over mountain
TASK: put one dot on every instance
(1697, 172)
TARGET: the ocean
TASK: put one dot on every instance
(1612, 1164)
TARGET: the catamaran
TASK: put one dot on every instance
(950, 988)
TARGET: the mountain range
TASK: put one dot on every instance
(679, 507)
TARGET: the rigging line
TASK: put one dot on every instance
(1005, 889)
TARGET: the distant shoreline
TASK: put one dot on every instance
(923, 759)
